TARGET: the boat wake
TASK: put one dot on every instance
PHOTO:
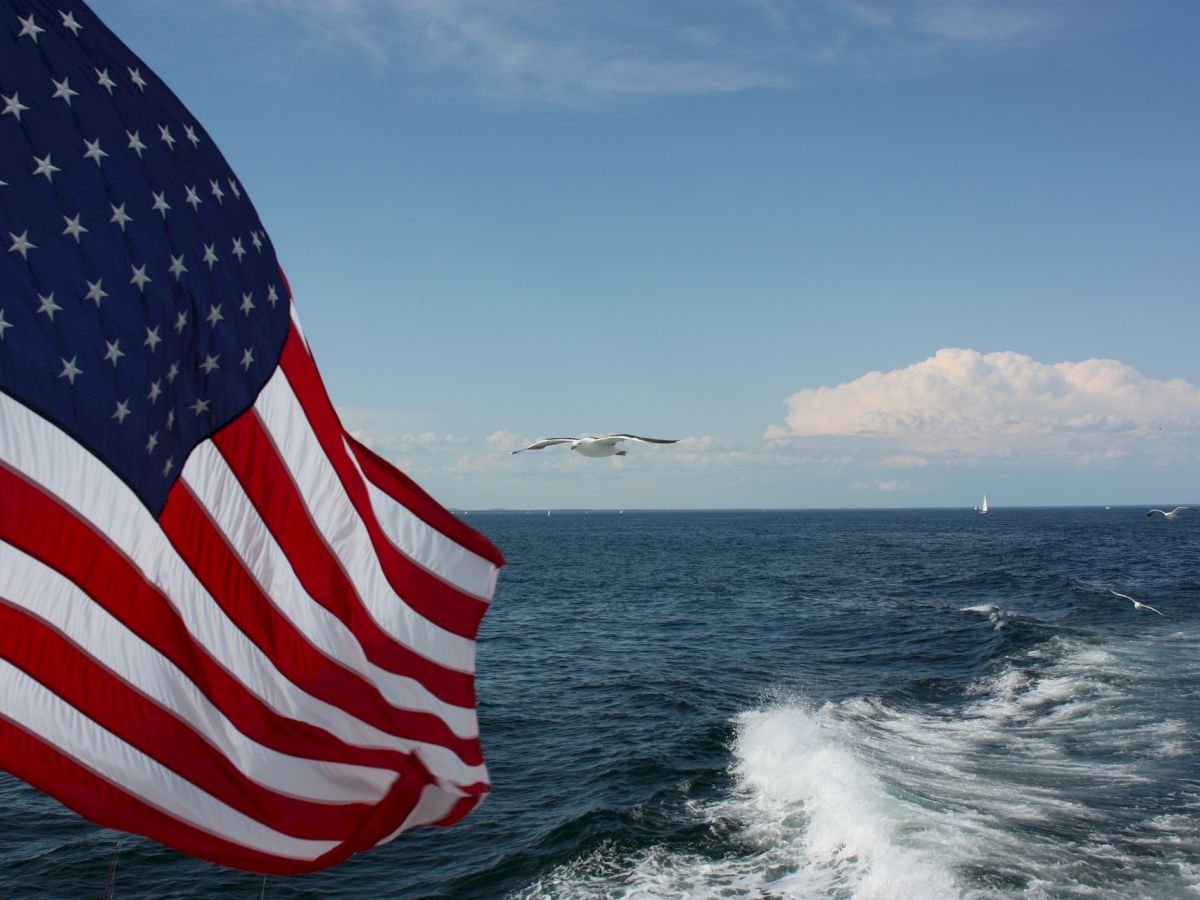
(997, 616)
(988, 797)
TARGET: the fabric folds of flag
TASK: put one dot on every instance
(224, 623)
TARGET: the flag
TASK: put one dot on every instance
(224, 623)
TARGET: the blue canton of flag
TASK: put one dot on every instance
(141, 305)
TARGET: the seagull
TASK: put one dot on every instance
(595, 446)
(1137, 605)
(1169, 516)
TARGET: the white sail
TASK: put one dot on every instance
(983, 509)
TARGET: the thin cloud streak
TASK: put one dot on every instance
(533, 50)
(708, 471)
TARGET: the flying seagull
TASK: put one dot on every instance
(595, 446)
(1137, 605)
(1169, 516)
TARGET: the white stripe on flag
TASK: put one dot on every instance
(29, 584)
(218, 490)
(345, 534)
(42, 713)
(52, 459)
(432, 806)
(429, 548)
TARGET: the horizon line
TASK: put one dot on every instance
(621, 509)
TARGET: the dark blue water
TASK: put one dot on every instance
(788, 704)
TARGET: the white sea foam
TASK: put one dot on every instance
(1018, 793)
(997, 616)
(811, 818)
(807, 793)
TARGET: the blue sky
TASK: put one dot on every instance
(852, 253)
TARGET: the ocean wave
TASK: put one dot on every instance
(997, 616)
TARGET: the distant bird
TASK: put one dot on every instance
(1169, 516)
(595, 446)
(1137, 605)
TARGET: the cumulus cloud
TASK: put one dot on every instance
(963, 404)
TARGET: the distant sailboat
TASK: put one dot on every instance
(983, 509)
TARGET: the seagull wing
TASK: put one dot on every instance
(1122, 596)
(545, 442)
(1177, 510)
(644, 440)
(1153, 511)
(1152, 609)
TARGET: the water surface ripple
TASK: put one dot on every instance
(851, 704)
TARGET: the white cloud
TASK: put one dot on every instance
(385, 442)
(904, 461)
(963, 405)
(972, 20)
(964, 22)
(536, 50)
(882, 484)
(504, 440)
(426, 453)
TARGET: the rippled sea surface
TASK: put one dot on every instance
(843, 704)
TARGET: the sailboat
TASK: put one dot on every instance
(983, 509)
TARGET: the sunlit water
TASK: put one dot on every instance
(897, 704)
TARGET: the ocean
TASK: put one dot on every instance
(777, 704)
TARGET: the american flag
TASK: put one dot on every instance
(224, 623)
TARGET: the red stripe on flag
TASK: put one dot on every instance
(387, 477)
(408, 493)
(248, 450)
(433, 598)
(68, 671)
(187, 525)
(46, 530)
(95, 798)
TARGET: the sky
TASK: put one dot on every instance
(850, 253)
